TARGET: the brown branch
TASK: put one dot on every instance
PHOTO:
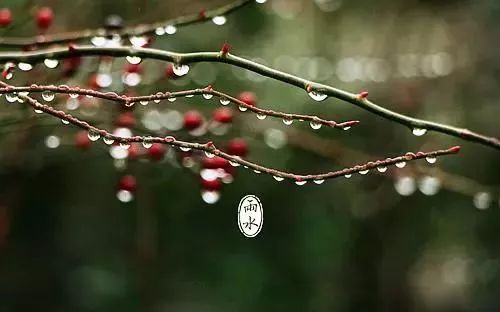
(138, 30)
(319, 91)
(131, 100)
(210, 149)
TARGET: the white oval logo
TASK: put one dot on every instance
(250, 216)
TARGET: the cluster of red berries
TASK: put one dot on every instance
(43, 17)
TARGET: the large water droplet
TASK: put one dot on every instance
(242, 108)
(160, 31)
(103, 80)
(419, 131)
(363, 172)
(401, 164)
(317, 96)
(482, 200)
(287, 121)
(133, 59)
(219, 20)
(93, 135)
(25, 66)
(50, 63)
(147, 143)
(429, 185)
(261, 116)
(144, 103)
(431, 159)
(180, 70)
(382, 169)
(300, 182)
(348, 176)
(11, 97)
(405, 186)
(260, 1)
(108, 140)
(52, 141)
(48, 96)
(170, 29)
(208, 96)
(210, 197)
(224, 101)
(185, 149)
(315, 125)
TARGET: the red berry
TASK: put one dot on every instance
(214, 162)
(223, 115)
(82, 140)
(134, 151)
(248, 98)
(192, 120)
(126, 120)
(5, 17)
(238, 147)
(157, 151)
(44, 17)
(211, 185)
(133, 68)
(225, 48)
(128, 183)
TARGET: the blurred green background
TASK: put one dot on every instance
(414, 239)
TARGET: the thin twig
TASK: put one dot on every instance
(210, 149)
(138, 30)
(359, 100)
(131, 100)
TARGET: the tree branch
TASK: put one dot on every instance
(359, 100)
(131, 100)
(138, 30)
(210, 149)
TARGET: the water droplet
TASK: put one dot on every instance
(287, 121)
(219, 20)
(73, 95)
(348, 176)
(11, 97)
(129, 104)
(363, 172)
(429, 185)
(260, 1)
(482, 200)
(224, 101)
(317, 96)
(170, 29)
(180, 70)
(315, 125)
(233, 163)
(185, 149)
(38, 111)
(138, 41)
(25, 66)
(160, 31)
(93, 135)
(103, 80)
(172, 99)
(382, 169)
(242, 108)
(52, 141)
(144, 103)
(300, 182)
(189, 95)
(209, 155)
(419, 131)
(48, 96)
(124, 145)
(65, 121)
(401, 164)
(9, 75)
(50, 63)
(431, 159)
(108, 140)
(319, 181)
(208, 96)
(124, 196)
(134, 60)
(257, 171)
(147, 143)
(279, 179)
(98, 41)
(346, 128)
